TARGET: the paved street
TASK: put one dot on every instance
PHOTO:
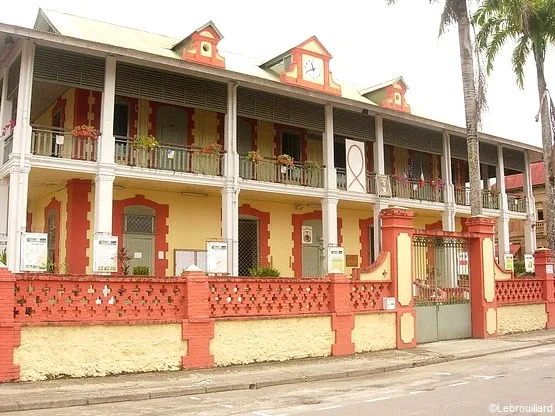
(467, 387)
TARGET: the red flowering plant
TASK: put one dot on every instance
(438, 183)
(285, 160)
(213, 149)
(85, 131)
(8, 128)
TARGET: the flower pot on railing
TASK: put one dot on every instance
(207, 161)
(312, 173)
(143, 147)
(82, 143)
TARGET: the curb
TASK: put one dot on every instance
(188, 391)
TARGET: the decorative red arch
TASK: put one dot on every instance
(162, 213)
(264, 218)
(297, 251)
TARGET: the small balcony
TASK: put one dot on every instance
(60, 143)
(8, 147)
(268, 170)
(516, 204)
(412, 189)
(169, 157)
(342, 181)
(541, 228)
(490, 200)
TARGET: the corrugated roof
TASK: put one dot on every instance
(516, 181)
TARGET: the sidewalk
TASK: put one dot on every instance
(77, 392)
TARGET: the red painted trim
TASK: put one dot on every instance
(297, 221)
(162, 213)
(376, 265)
(29, 223)
(81, 107)
(55, 206)
(77, 225)
(438, 225)
(389, 100)
(97, 109)
(264, 218)
(365, 241)
(196, 41)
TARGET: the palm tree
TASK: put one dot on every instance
(531, 24)
(456, 11)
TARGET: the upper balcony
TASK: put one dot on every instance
(268, 170)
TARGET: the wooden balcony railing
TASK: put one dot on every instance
(342, 181)
(169, 157)
(8, 147)
(411, 189)
(54, 142)
(541, 228)
(490, 200)
(268, 170)
(516, 204)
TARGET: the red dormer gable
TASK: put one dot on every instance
(201, 46)
(390, 94)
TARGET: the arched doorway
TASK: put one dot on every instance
(138, 237)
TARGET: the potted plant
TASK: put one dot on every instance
(213, 149)
(84, 132)
(285, 160)
(8, 128)
(254, 157)
(312, 173)
(207, 161)
(143, 147)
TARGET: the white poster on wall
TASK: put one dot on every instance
(355, 166)
(336, 260)
(216, 257)
(529, 263)
(34, 252)
(509, 262)
(105, 254)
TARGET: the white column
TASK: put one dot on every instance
(329, 159)
(4, 198)
(379, 160)
(503, 220)
(17, 213)
(329, 225)
(378, 227)
(530, 222)
(230, 134)
(230, 227)
(103, 197)
(448, 216)
(5, 109)
(503, 204)
(22, 129)
(107, 141)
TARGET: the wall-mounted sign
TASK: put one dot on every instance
(307, 234)
(463, 263)
(509, 262)
(529, 263)
(216, 257)
(336, 260)
(355, 166)
(383, 185)
(34, 252)
(105, 254)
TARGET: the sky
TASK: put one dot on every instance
(370, 43)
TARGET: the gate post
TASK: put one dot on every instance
(397, 230)
(482, 276)
(543, 259)
(9, 331)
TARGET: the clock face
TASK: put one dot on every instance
(313, 69)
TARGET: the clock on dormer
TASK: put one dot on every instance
(306, 65)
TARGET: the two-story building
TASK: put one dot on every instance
(217, 171)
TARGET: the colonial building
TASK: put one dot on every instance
(514, 184)
(275, 158)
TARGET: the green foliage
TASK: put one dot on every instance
(519, 267)
(50, 267)
(124, 261)
(264, 272)
(145, 142)
(141, 271)
(4, 257)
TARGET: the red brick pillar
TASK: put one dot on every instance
(9, 331)
(198, 328)
(342, 317)
(397, 230)
(482, 276)
(77, 225)
(543, 260)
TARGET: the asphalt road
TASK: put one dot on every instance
(480, 386)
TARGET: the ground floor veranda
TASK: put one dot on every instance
(165, 226)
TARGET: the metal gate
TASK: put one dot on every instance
(441, 288)
(248, 245)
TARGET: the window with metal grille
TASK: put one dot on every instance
(372, 250)
(51, 228)
(248, 245)
(139, 224)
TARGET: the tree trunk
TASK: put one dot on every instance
(470, 107)
(547, 153)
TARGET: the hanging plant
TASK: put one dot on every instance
(85, 131)
(254, 156)
(284, 160)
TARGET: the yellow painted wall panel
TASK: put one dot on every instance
(192, 220)
(520, 318)
(143, 118)
(70, 351)
(242, 342)
(374, 332)
(265, 138)
(351, 231)
(314, 151)
(205, 127)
